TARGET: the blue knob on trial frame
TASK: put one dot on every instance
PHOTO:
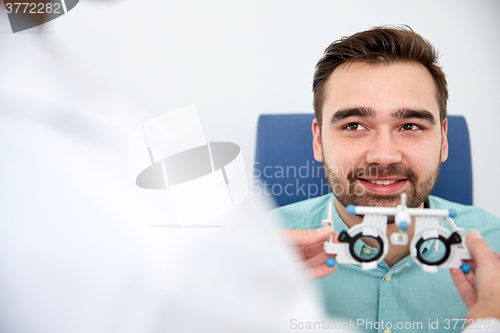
(404, 226)
(330, 262)
(465, 268)
(351, 209)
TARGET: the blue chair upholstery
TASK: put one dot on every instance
(285, 165)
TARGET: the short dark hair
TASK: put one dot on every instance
(380, 45)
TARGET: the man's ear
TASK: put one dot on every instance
(444, 141)
(317, 146)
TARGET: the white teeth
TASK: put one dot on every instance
(382, 182)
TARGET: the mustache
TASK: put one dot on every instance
(375, 171)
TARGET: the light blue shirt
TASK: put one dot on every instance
(403, 295)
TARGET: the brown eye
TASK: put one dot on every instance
(410, 127)
(354, 127)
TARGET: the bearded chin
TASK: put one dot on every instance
(348, 191)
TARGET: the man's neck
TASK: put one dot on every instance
(396, 252)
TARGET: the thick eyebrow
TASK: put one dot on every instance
(353, 112)
(420, 114)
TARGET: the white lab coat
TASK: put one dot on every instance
(78, 252)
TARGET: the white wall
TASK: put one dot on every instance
(238, 59)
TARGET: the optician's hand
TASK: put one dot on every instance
(309, 244)
(480, 288)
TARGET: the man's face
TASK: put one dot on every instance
(381, 135)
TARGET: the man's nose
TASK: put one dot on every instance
(384, 150)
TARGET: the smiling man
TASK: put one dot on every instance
(380, 102)
(387, 118)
